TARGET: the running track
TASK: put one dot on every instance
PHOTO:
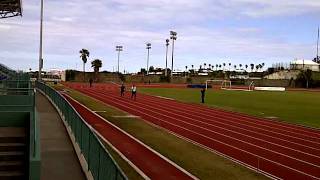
(279, 149)
(151, 164)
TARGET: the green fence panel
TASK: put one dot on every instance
(100, 162)
(85, 141)
(94, 156)
(107, 167)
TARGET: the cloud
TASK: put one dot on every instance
(208, 30)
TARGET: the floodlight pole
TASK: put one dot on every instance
(166, 70)
(119, 48)
(118, 61)
(173, 37)
(148, 48)
(318, 47)
(40, 48)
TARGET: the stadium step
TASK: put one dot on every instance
(13, 153)
(11, 165)
(11, 175)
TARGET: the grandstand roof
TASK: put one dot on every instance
(10, 8)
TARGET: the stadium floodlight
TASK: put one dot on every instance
(119, 49)
(40, 44)
(167, 44)
(10, 8)
(173, 36)
(148, 48)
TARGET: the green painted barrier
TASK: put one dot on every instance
(17, 109)
(100, 163)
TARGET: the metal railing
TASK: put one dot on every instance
(100, 163)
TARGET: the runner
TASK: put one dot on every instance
(203, 92)
(122, 90)
(133, 92)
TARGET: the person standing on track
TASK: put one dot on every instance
(133, 92)
(90, 82)
(122, 89)
(203, 92)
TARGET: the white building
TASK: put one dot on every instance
(304, 64)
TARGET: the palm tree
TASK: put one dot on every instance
(192, 66)
(186, 71)
(204, 65)
(96, 64)
(240, 65)
(235, 67)
(257, 67)
(84, 54)
(210, 66)
(262, 65)
(252, 67)
(246, 66)
(200, 68)
(224, 64)
(217, 67)
(220, 66)
(229, 66)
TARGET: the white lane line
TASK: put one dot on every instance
(99, 111)
(126, 116)
(162, 97)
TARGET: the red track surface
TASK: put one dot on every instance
(282, 150)
(147, 161)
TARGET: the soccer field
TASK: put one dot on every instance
(294, 107)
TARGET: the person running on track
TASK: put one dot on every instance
(122, 89)
(134, 92)
(203, 92)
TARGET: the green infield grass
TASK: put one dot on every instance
(294, 107)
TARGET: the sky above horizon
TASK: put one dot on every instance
(209, 31)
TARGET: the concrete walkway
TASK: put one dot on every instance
(58, 158)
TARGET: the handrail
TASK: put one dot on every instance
(34, 126)
(95, 154)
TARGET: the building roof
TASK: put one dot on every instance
(305, 62)
(10, 8)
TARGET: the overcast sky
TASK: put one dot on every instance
(209, 31)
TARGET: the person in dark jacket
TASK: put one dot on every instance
(90, 82)
(122, 90)
(203, 93)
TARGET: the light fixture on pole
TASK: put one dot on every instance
(148, 48)
(173, 36)
(40, 46)
(167, 44)
(119, 49)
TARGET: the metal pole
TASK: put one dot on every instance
(172, 57)
(40, 48)
(318, 46)
(148, 62)
(166, 70)
(118, 59)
